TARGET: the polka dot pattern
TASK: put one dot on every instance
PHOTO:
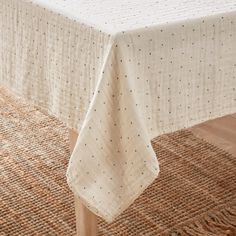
(120, 75)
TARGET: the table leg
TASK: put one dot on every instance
(86, 221)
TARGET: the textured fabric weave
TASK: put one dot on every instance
(120, 74)
(197, 199)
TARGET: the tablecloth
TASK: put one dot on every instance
(120, 73)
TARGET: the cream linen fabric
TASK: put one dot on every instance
(120, 73)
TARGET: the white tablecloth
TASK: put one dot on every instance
(120, 73)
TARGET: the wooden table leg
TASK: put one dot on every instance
(86, 221)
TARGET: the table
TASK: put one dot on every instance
(120, 74)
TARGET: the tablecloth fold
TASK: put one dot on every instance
(113, 160)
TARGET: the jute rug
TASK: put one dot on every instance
(195, 193)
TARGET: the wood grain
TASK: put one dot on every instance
(220, 132)
(234, 115)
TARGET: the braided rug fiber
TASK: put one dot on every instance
(195, 193)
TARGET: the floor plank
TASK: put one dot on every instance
(221, 132)
(234, 115)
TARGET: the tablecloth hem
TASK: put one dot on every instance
(153, 175)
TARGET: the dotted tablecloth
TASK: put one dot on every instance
(120, 73)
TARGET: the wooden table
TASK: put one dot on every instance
(131, 76)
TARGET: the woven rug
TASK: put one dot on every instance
(195, 193)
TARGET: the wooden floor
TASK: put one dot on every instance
(220, 132)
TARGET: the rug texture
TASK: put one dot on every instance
(195, 193)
